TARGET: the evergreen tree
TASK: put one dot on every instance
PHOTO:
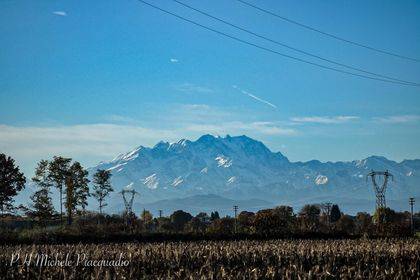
(101, 187)
(335, 213)
(42, 204)
(58, 172)
(11, 182)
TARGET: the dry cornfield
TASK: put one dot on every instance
(276, 259)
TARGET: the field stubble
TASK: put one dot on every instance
(275, 259)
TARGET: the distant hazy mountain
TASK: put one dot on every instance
(244, 171)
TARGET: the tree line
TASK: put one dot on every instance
(282, 221)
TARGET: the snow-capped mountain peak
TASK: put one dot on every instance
(239, 167)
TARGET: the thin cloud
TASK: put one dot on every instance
(119, 119)
(174, 60)
(198, 107)
(192, 88)
(239, 127)
(60, 13)
(324, 119)
(88, 143)
(185, 114)
(255, 97)
(398, 119)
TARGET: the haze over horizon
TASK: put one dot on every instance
(79, 80)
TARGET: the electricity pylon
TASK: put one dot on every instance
(380, 189)
(128, 201)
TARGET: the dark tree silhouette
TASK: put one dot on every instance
(346, 224)
(274, 221)
(223, 226)
(179, 218)
(42, 204)
(286, 216)
(266, 222)
(214, 216)
(363, 222)
(309, 216)
(102, 187)
(11, 182)
(196, 225)
(245, 220)
(335, 213)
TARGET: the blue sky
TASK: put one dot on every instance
(91, 79)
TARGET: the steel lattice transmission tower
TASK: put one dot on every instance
(128, 201)
(380, 189)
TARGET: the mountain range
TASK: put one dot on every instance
(215, 173)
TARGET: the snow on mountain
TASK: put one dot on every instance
(152, 182)
(242, 168)
(231, 180)
(321, 180)
(177, 181)
(223, 161)
(204, 170)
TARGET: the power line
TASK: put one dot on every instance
(327, 34)
(290, 47)
(270, 50)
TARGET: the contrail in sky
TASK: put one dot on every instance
(255, 97)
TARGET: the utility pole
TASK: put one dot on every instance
(160, 213)
(235, 208)
(411, 201)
